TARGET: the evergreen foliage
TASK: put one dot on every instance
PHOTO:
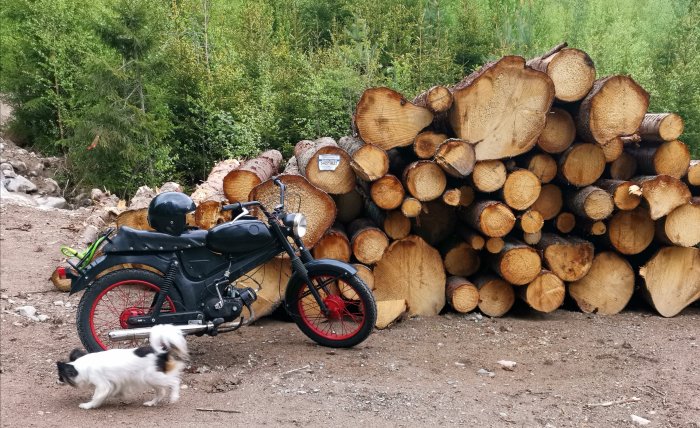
(171, 87)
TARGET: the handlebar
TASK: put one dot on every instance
(239, 205)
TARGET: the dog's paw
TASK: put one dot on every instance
(86, 406)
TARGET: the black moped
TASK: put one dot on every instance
(188, 278)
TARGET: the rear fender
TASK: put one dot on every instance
(100, 265)
(336, 267)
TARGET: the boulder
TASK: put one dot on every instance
(51, 202)
(21, 184)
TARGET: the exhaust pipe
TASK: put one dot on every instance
(145, 332)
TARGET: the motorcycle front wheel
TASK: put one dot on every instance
(351, 314)
(109, 302)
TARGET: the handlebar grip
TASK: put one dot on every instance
(232, 207)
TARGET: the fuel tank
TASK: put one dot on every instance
(239, 237)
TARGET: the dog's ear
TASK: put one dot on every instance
(76, 353)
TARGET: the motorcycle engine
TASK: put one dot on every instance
(230, 306)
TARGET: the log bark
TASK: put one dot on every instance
(491, 218)
(212, 189)
(544, 166)
(368, 242)
(568, 258)
(681, 226)
(622, 168)
(517, 263)
(424, 180)
(412, 270)
(669, 158)
(349, 206)
(582, 164)
(334, 244)
(558, 133)
(455, 157)
(437, 99)
(630, 232)
(389, 311)
(550, 201)
(626, 195)
(571, 70)
(387, 192)
(496, 296)
(302, 197)
(382, 109)
(545, 293)
(524, 97)
(435, 223)
(565, 222)
(239, 182)
(427, 143)
(530, 221)
(662, 194)
(615, 106)
(461, 295)
(607, 287)
(270, 282)
(369, 162)
(396, 225)
(325, 165)
(672, 279)
(592, 203)
(411, 207)
(521, 189)
(489, 176)
(460, 259)
(658, 127)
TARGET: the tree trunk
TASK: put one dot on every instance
(672, 279)
(626, 195)
(334, 244)
(630, 232)
(517, 263)
(387, 192)
(607, 287)
(427, 143)
(389, 311)
(380, 109)
(369, 162)
(550, 201)
(501, 132)
(496, 296)
(582, 164)
(411, 207)
(301, 197)
(623, 168)
(270, 282)
(521, 189)
(455, 157)
(542, 165)
(658, 127)
(491, 218)
(558, 133)
(396, 225)
(462, 295)
(592, 203)
(367, 240)
(489, 176)
(435, 223)
(437, 99)
(545, 293)
(571, 70)
(530, 221)
(568, 258)
(460, 258)
(412, 270)
(325, 165)
(424, 180)
(239, 182)
(349, 206)
(212, 189)
(565, 222)
(615, 106)
(662, 194)
(681, 226)
(670, 158)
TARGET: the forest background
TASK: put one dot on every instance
(140, 92)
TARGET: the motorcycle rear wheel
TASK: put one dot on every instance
(111, 300)
(352, 311)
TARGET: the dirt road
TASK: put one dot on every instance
(573, 370)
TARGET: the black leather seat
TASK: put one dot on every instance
(130, 240)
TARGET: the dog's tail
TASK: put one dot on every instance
(167, 338)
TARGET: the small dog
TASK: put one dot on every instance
(118, 372)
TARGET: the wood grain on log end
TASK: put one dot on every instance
(607, 287)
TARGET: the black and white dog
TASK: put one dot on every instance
(119, 372)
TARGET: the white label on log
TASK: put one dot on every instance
(328, 162)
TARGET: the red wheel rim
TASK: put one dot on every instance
(115, 304)
(346, 312)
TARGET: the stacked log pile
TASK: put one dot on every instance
(528, 179)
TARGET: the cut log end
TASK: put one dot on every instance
(682, 225)
(543, 166)
(568, 258)
(456, 157)
(672, 279)
(411, 207)
(559, 132)
(657, 127)
(530, 221)
(550, 201)
(582, 164)
(387, 192)
(662, 194)
(461, 294)
(489, 176)
(437, 99)
(427, 143)
(521, 189)
(607, 287)
(571, 70)
(462, 260)
(496, 296)
(565, 222)
(518, 263)
(389, 312)
(630, 232)
(425, 180)
(545, 293)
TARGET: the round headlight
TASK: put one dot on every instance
(299, 225)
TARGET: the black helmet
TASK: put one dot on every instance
(168, 211)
